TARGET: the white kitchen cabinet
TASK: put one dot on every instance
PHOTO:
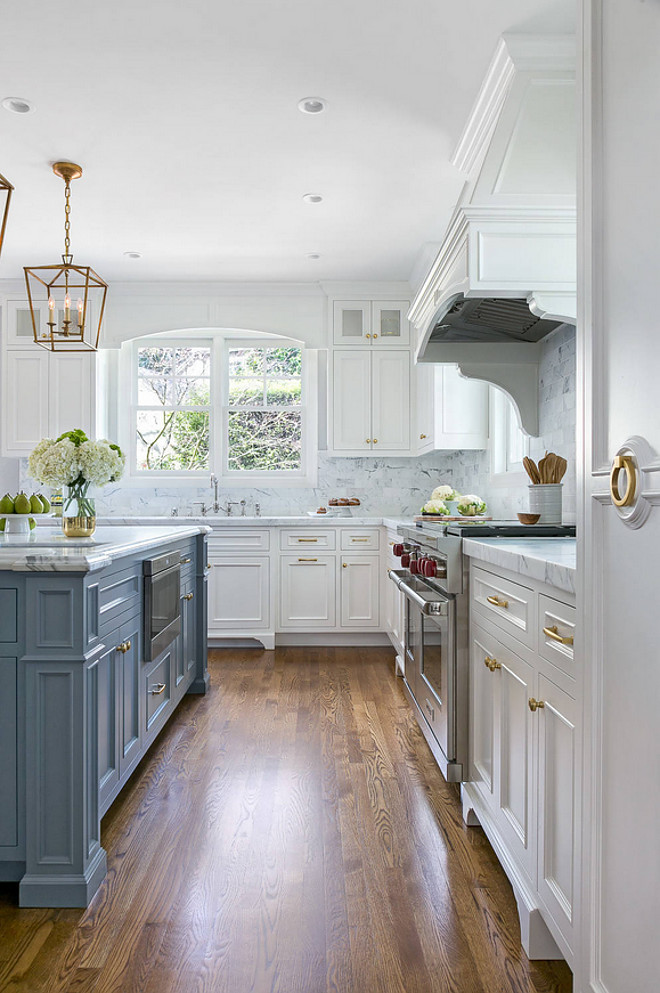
(393, 600)
(371, 401)
(359, 590)
(524, 748)
(307, 591)
(43, 395)
(371, 322)
(451, 413)
(239, 586)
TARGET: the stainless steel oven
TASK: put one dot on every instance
(162, 602)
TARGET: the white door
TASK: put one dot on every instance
(618, 362)
(71, 392)
(307, 591)
(238, 594)
(359, 581)
(483, 691)
(391, 401)
(351, 400)
(24, 400)
(351, 322)
(423, 380)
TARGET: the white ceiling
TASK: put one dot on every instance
(184, 117)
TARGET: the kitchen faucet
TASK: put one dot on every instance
(214, 484)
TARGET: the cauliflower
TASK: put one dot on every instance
(434, 507)
(443, 493)
(469, 505)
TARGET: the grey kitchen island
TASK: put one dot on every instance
(83, 692)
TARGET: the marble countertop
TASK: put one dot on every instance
(215, 521)
(48, 550)
(548, 560)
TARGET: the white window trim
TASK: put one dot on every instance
(218, 344)
(500, 474)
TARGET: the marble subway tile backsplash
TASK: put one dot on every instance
(391, 486)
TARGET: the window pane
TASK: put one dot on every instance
(283, 392)
(246, 392)
(283, 361)
(193, 392)
(193, 361)
(159, 361)
(172, 439)
(246, 361)
(155, 390)
(263, 441)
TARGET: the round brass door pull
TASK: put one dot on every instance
(618, 463)
(188, 596)
(535, 704)
(492, 664)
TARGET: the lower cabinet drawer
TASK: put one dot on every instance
(158, 680)
(556, 633)
(359, 539)
(509, 605)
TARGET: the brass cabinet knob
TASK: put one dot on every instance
(496, 602)
(554, 634)
(492, 664)
(344, 565)
(422, 437)
(627, 463)
(124, 647)
(375, 441)
(208, 565)
(375, 336)
(368, 441)
(188, 596)
(535, 704)
(367, 336)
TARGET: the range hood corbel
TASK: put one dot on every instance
(511, 243)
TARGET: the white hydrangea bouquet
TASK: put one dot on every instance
(72, 460)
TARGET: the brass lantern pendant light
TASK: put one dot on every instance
(61, 332)
(6, 189)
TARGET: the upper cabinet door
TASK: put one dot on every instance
(389, 324)
(461, 410)
(366, 322)
(391, 401)
(351, 322)
(71, 392)
(24, 400)
(351, 400)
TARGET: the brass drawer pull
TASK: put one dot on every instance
(492, 664)
(188, 596)
(535, 704)
(554, 634)
(496, 602)
(307, 539)
(361, 539)
(124, 647)
(627, 463)
(185, 561)
(308, 560)
(158, 689)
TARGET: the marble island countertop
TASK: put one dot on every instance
(48, 550)
(548, 560)
(215, 521)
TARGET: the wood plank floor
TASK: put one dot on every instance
(288, 832)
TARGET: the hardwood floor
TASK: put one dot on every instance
(288, 832)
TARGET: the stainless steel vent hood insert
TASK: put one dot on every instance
(490, 319)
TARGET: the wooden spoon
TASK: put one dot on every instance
(542, 465)
(532, 471)
(560, 468)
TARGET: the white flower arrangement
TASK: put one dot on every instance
(445, 493)
(469, 505)
(73, 460)
(435, 507)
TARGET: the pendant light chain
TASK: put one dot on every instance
(67, 258)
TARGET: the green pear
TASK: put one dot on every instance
(3, 523)
(21, 504)
(32, 523)
(6, 505)
(36, 506)
(46, 503)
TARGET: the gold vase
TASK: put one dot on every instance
(78, 527)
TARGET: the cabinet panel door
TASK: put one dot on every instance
(351, 393)
(461, 410)
(389, 324)
(239, 592)
(8, 752)
(24, 400)
(307, 591)
(359, 591)
(558, 808)
(71, 393)
(108, 725)
(516, 759)
(483, 689)
(391, 400)
(129, 664)
(351, 320)
(424, 379)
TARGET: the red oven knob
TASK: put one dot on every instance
(405, 560)
(414, 566)
(430, 568)
(398, 550)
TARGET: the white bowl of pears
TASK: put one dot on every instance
(17, 514)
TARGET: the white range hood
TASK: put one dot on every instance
(513, 234)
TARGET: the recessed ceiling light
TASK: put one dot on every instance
(313, 198)
(133, 255)
(17, 105)
(312, 105)
(314, 256)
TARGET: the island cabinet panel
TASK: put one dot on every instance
(108, 717)
(128, 654)
(8, 752)
(158, 688)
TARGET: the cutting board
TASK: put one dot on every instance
(443, 517)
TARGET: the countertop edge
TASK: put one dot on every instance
(532, 564)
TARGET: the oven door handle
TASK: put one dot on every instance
(427, 605)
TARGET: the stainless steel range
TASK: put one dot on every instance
(434, 579)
